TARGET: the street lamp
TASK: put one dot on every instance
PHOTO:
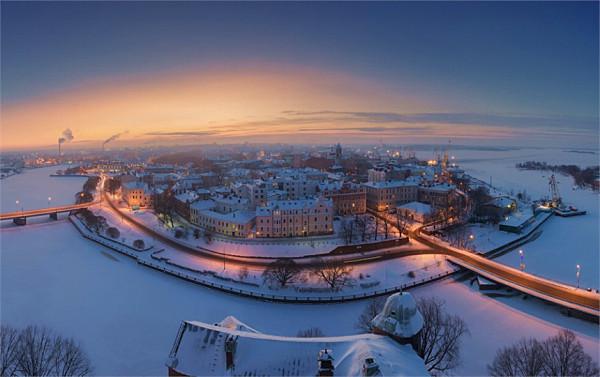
(49, 200)
(578, 274)
(522, 265)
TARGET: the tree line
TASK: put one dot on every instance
(582, 176)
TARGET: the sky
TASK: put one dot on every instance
(196, 72)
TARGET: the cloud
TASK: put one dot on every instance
(181, 133)
(479, 119)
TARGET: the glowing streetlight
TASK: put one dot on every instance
(578, 274)
(522, 265)
(49, 200)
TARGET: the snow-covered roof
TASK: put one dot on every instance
(417, 207)
(200, 350)
(187, 196)
(400, 316)
(392, 184)
(235, 217)
(201, 205)
(440, 187)
(518, 218)
(135, 185)
(501, 202)
(291, 204)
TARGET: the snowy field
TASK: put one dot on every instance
(33, 187)
(127, 316)
(565, 242)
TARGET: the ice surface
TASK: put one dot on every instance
(33, 187)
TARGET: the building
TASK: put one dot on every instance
(295, 218)
(415, 211)
(348, 198)
(388, 194)
(377, 174)
(517, 221)
(438, 195)
(136, 194)
(231, 347)
(182, 202)
(234, 224)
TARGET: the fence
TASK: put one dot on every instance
(247, 293)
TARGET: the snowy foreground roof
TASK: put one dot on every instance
(200, 350)
(400, 316)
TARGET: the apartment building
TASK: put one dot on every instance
(295, 218)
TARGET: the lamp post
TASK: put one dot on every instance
(578, 274)
(522, 265)
(49, 200)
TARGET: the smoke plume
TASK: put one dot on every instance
(113, 138)
(67, 135)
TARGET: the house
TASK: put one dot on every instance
(231, 347)
(415, 211)
(348, 198)
(136, 194)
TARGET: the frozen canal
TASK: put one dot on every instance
(33, 187)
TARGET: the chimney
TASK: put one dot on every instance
(325, 363)
(230, 346)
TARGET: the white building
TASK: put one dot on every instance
(234, 224)
(136, 194)
(295, 218)
(415, 211)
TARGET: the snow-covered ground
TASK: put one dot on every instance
(498, 322)
(33, 187)
(127, 316)
(291, 247)
(564, 242)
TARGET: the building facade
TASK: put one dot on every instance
(137, 194)
(295, 218)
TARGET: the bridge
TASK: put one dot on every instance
(548, 290)
(19, 217)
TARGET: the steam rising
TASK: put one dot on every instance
(67, 135)
(113, 138)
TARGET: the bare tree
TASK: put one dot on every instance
(362, 227)
(313, 332)
(281, 272)
(560, 355)
(374, 307)
(113, 232)
(243, 273)
(347, 231)
(522, 359)
(9, 343)
(564, 356)
(39, 352)
(208, 236)
(438, 343)
(69, 359)
(36, 352)
(334, 273)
